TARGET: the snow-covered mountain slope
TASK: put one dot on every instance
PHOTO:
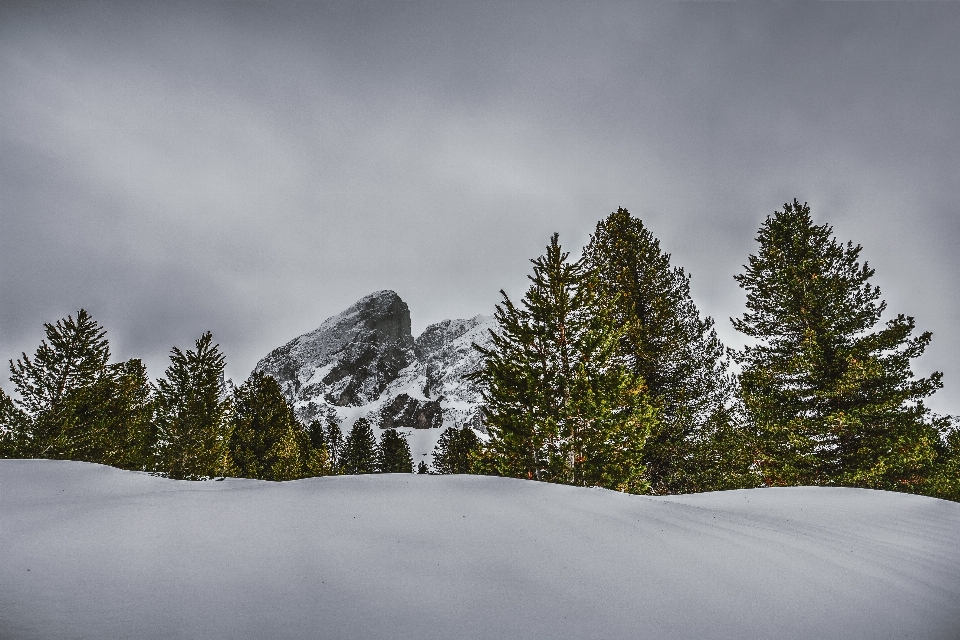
(90, 552)
(365, 362)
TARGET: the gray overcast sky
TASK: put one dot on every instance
(253, 168)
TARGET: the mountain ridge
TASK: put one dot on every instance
(365, 362)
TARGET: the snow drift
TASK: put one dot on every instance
(88, 551)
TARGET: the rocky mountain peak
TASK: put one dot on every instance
(365, 361)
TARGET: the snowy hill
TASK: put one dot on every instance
(91, 552)
(366, 362)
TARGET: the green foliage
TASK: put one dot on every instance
(111, 421)
(456, 450)
(335, 443)
(831, 398)
(559, 407)
(422, 468)
(193, 413)
(360, 449)
(74, 405)
(393, 453)
(946, 479)
(12, 428)
(667, 344)
(265, 437)
(72, 358)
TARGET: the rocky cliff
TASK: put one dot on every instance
(365, 362)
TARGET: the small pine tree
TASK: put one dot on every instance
(320, 461)
(558, 406)
(360, 449)
(264, 432)
(193, 413)
(946, 477)
(287, 456)
(455, 450)
(422, 468)
(335, 443)
(831, 397)
(12, 427)
(393, 453)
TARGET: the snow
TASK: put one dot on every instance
(437, 361)
(94, 552)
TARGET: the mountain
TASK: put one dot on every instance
(366, 362)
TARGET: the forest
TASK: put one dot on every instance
(604, 374)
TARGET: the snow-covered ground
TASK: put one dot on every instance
(87, 551)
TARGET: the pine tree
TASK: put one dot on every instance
(320, 461)
(946, 478)
(422, 468)
(558, 406)
(193, 413)
(73, 358)
(289, 461)
(335, 443)
(831, 397)
(676, 352)
(264, 432)
(393, 453)
(111, 421)
(360, 449)
(455, 450)
(12, 428)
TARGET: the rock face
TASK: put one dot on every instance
(365, 362)
(404, 411)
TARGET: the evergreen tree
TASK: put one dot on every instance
(263, 435)
(335, 443)
(455, 450)
(318, 461)
(12, 428)
(321, 461)
(111, 420)
(831, 397)
(666, 343)
(360, 449)
(946, 477)
(558, 406)
(422, 468)
(287, 454)
(72, 358)
(393, 453)
(193, 413)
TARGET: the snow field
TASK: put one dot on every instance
(94, 552)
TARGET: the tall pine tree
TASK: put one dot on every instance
(830, 395)
(558, 405)
(193, 413)
(665, 341)
(72, 359)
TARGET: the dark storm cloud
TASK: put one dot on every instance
(253, 168)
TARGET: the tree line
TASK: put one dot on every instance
(73, 404)
(604, 374)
